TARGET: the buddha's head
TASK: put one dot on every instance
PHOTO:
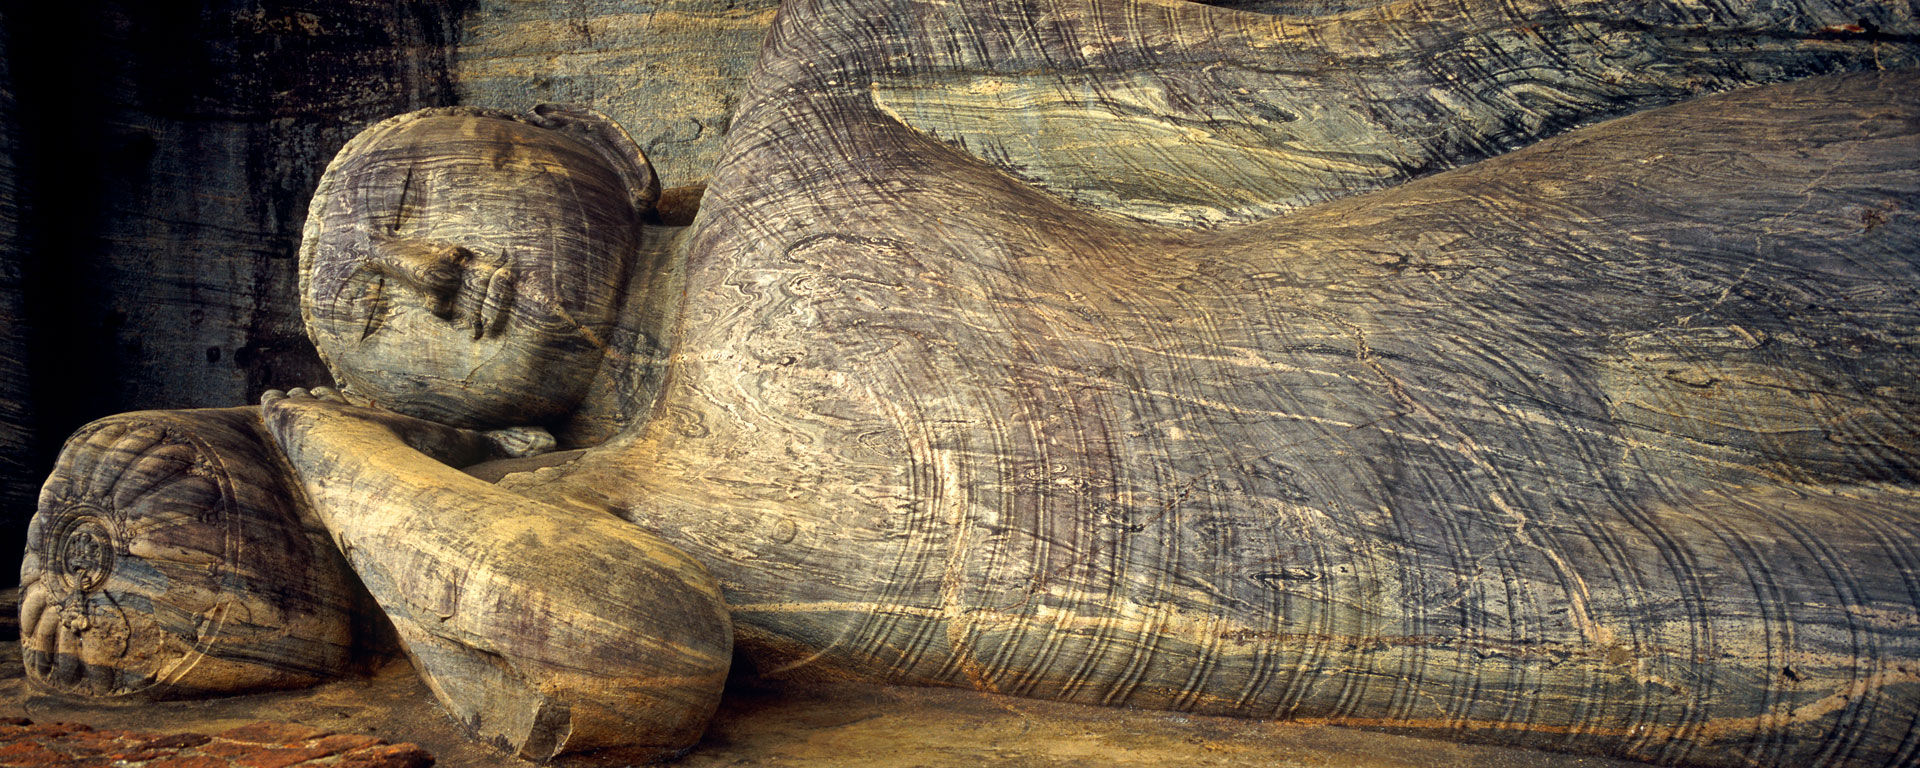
(467, 266)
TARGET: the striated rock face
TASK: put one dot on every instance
(189, 139)
(667, 70)
(199, 137)
(1184, 115)
(19, 460)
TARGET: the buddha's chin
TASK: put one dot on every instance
(518, 378)
(488, 397)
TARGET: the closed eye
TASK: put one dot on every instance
(365, 296)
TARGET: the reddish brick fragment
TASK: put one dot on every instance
(96, 761)
(57, 729)
(143, 755)
(227, 749)
(21, 746)
(22, 754)
(274, 733)
(346, 742)
(89, 743)
(189, 761)
(280, 758)
(387, 756)
(175, 741)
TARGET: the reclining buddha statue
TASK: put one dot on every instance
(1526, 373)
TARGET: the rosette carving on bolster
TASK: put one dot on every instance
(167, 559)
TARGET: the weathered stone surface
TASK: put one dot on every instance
(1530, 451)
(849, 723)
(1182, 114)
(667, 70)
(1606, 444)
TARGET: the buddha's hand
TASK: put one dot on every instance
(448, 444)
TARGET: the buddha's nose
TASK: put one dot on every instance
(431, 268)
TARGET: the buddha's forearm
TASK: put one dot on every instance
(487, 590)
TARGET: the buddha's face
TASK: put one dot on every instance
(467, 269)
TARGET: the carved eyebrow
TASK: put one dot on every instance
(361, 287)
(408, 199)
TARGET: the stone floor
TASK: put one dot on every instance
(26, 744)
(839, 724)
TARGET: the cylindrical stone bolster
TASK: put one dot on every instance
(170, 558)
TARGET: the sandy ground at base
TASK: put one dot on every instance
(855, 725)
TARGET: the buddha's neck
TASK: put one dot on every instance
(634, 364)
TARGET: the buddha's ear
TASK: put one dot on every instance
(596, 130)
